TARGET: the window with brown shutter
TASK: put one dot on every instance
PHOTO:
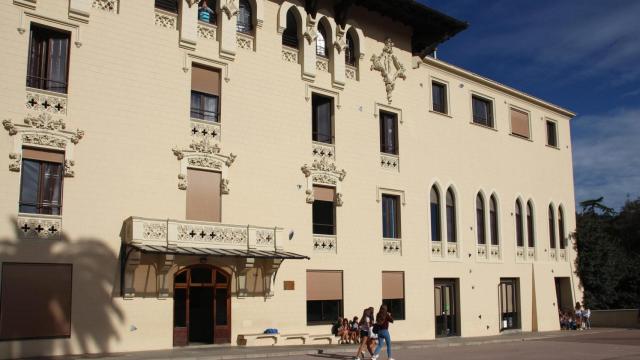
(393, 293)
(205, 94)
(41, 182)
(324, 214)
(324, 296)
(48, 66)
(35, 301)
(519, 123)
(203, 195)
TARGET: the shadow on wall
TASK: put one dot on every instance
(94, 314)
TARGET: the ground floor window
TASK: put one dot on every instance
(509, 304)
(393, 293)
(324, 296)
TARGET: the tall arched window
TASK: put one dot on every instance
(482, 236)
(552, 228)
(562, 239)
(350, 51)
(436, 233)
(519, 225)
(245, 17)
(531, 241)
(452, 233)
(493, 220)
(321, 45)
(290, 34)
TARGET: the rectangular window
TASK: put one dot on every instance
(393, 293)
(519, 123)
(322, 119)
(167, 5)
(41, 182)
(205, 94)
(203, 195)
(388, 133)
(509, 304)
(48, 67)
(324, 296)
(391, 216)
(482, 111)
(439, 96)
(35, 301)
(552, 133)
(324, 214)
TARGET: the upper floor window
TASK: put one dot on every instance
(562, 239)
(480, 219)
(245, 17)
(41, 182)
(388, 133)
(519, 123)
(391, 216)
(531, 241)
(324, 211)
(519, 224)
(290, 34)
(207, 11)
(439, 96)
(205, 94)
(482, 111)
(552, 228)
(321, 45)
(452, 232)
(552, 133)
(350, 51)
(436, 234)
(322, 119)
(203, 195)
(48, 67)
(167, 5)
(493, 220)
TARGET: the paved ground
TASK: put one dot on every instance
(601, 344)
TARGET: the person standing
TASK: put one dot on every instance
(383, 318)
(365, 333)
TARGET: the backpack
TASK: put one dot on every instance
(334, 329)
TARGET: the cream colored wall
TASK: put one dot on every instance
(129, 92)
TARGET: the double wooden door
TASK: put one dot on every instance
(201, 306)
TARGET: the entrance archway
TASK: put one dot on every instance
(201, 306)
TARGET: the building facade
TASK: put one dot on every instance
(182, 173)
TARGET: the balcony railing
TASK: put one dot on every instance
(392, 246)
(200, 234)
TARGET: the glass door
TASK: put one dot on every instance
(446, 311)
(509, 314)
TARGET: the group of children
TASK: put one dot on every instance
(347, 330)
(578, 319)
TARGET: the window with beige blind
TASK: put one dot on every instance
(324, 210)
(35, 301)
(205, 94)
(324, 296)
(41, 182)
(203, 195)
(393, 293)
(520, 123)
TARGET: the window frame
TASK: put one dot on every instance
(494, 221)
(350, 56)
(286, 33)
(203, 95)
(481, 219)
(491, 107)
(40, 190)
(240, 27)
(213, 16)
(519, 222)
(395, 231)
(445, 97)
(557, 138)
(524, 111)
(384, 147)
(437, 231)
(314, 117)
(452, 228)
(334, 225)
(396, 301)
(164, 6)
(322, 33)
(531, 221)
(43, 81)
(552, 227)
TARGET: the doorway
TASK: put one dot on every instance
(201, 306)
(509, 304)
(564, 299)
(446, 307)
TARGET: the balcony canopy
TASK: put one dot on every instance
(201, 251)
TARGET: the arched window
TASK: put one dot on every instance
(207, 11)
(350, 51)
(436, 234)
(531, 241)
(167, 5)
(452, 233)
(552, 228)
(245, 17)
(290, 34)
(482, 236)
(519, 225)
(321, 45)
(562, 239)
(493, 220)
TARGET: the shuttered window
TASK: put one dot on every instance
(393, 293)
(41, 182)
(324, 296)
(324, 214)
(520, 123)
(205, 94)
(203, 195)
(167, 5)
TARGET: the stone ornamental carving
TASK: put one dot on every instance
(326, 244)
(311, 34)
(452, 249)
(436, 248)
(393, 247)
(230, 8)
(39, 227)
(182, 181)
(264, 237)
(225, 188)
(205, 131)
(324, 179)
(290, 54)
(68, 168)
(520, 253)
(340, 44)
(46, 102)
(325, 166)
(531, 253)
(321, 150)
(482, 251)
(323, 171)
(15, 161)
(350, 72)
(391, 162)
(206, 32)
(205, 162)
(203, 154)
(212, 234)
(244, 42)
(154, 231)
(106, 5)
(322, 65)
(165, 20)
(389, 67)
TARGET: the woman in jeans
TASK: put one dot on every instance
(383, 318)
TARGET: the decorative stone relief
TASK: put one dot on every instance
(41, 101)
(436, 248)
(244, 41)
(205, 131)
(323, 172)
(494, 252)
(393, 247)
(290, 54)
(340, 44)
(390, 162)
(154, 231)
(212, 234)
(322, 64)
(264, 237)
(350, 72)
(520, 253)
(311, 33)
(322, 150)
(182, 181)
(324, 179)
(105, 5)
(563, 254)
(225, 188)
(230, 8)
(42, 131)
(553, 254)
(325, 243)
(165, 20)
(531, 253)
(452, 249)
(203, 154)
(389, 67)
(206, 32)
(39, 226)
(481, 250)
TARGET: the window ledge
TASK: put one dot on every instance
(39, 226)
(483, 126)
(441, 113)
(520, 137)
(553, 147)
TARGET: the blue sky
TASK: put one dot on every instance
(583, 55)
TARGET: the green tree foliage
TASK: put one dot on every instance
(608, 246)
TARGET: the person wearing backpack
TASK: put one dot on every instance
(383, 318)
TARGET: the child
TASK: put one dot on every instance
(353, 330)
(344, 331)
(587, 318)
